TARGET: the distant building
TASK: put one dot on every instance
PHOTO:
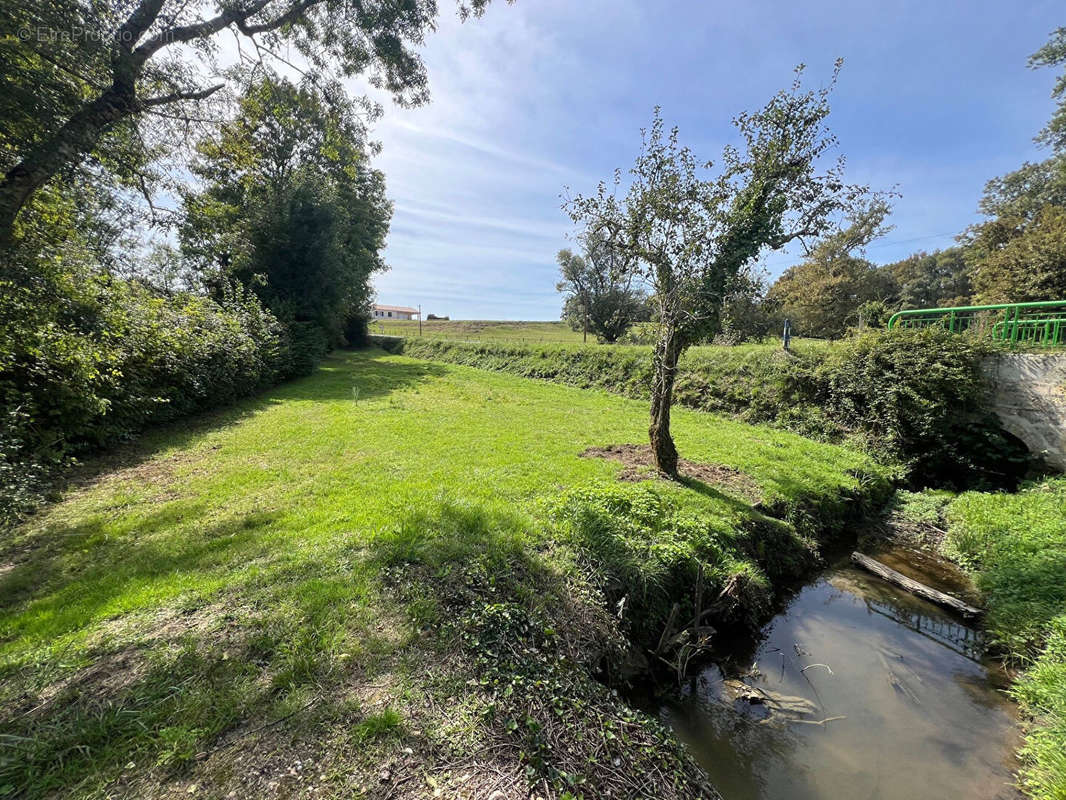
(394, 312)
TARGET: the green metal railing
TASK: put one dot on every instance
(1041, 324)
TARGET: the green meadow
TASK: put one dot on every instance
(389, 578)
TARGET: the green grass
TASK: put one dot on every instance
(482, 330)
(555, 333)
(1016, 545)
(326, 573)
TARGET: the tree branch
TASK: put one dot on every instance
(173, 97)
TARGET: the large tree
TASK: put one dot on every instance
(932, 280)
(822, 296)
(1019, 253)
(1017, 260)
(691, 232)
(290, 208)
(600, 296)
(83, 78)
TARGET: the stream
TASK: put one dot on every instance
(855, 689)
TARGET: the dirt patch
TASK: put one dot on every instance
(638, 465)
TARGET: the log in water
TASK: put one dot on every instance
(913, 586)
(856, 689)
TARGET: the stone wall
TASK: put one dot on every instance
(1029, 396)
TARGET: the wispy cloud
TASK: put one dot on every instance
(935, 98)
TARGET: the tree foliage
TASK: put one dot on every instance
(821, 296)
(600, 297)
(1018, 260)
(1053, 54)
(291, 209)
(85, 78)
(932, 280)
(691, 232)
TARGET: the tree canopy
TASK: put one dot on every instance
(106, 80)
(290, 208)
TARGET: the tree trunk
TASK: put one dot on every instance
(68, 146)
(664, 364)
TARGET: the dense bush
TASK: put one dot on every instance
(912, 397)
(87, 360)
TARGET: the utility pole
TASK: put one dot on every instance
(419, 319)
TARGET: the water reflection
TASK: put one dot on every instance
(856, 690)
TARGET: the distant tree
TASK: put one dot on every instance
(822, 295)
(933, 280)
(600, 297)
(1017, 260)
(746, 315)
(142, 65)
(689, 236)
(291, 209)
(1024, 192)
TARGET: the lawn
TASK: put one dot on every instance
(390, 577)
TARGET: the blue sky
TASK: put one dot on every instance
(934, 99)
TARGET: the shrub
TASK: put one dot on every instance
(918, 396)
(87, 360)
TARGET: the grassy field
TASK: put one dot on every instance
(1016, 545)
(547, 333)
(391, 579)
(482, 330)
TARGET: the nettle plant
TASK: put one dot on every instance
(692, 231)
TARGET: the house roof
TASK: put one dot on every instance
(403, 309)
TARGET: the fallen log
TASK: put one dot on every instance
(913, 586)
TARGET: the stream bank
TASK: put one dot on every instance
(856, 688)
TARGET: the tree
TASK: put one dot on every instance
(80, 77)
(598, 285)
(933, 280)
(688, 236)
(1053, 54)
(1017, 260)
(822, 295)
(1019, 254)
(290, 209)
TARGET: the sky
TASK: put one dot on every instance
(544, 96)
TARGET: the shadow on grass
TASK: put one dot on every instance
(355, 375)
(179, 683)
(89, 574)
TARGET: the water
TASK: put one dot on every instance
(908, 708)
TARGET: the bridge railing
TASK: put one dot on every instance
(1040, 324)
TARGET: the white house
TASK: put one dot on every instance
(394, 312)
